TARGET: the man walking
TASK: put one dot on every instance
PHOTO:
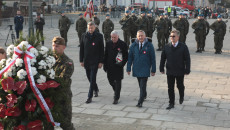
(177, 58)
(107, 28)
(39, 23)
(116, 56)
(92, 57)
(81, 26)
(219, 28)
(64, 25)
(142, 59)
(18, 22)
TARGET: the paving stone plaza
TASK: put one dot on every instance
(207, 89)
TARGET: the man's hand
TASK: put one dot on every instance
(100, 65)
(128, 73)
(82, 64)
(153, 74)
(163, 72)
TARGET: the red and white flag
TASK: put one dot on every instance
(90, 10)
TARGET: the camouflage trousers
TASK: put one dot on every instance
(107, 37)
(182, 36)
(127, 35)
(161, 39)
(200, 41)
(133, 35)
(64, 35)
(167, 38)
(79, 36)
(218, 42)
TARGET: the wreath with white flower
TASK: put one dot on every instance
(29, 70)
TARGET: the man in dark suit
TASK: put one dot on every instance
(177, 58)
(114, 65)
(92, 56)
(18, 22)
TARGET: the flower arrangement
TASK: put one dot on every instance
(27, 87)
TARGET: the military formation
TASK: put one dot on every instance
(130, 24)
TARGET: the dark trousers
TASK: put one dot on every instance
(91, 73)
(180, 85)
(142, 81)
(39, 34)
(17, 32)
(64, 35)
(116, 84)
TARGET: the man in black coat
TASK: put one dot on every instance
(92, 56)
(114, 66)
(18, 22)
(39, 23)
(177, 58)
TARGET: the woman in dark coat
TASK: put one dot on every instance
(113, 67)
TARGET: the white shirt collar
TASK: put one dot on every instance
(142, 44)
(175, 44)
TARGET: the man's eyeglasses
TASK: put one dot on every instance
(172, 36)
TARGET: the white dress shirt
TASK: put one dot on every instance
(175, 45)
(140, 45)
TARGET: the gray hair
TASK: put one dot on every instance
(91, 23)
(176, 32)
(139, 31)
(114, 32)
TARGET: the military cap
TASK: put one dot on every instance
(38, 14)
(59, 40)
(166, 13)
(80, 14)
(160, 14)
(184, 14)
(133, 12)
(149, 12)
(219, 16)
(200, 15)
(126, 11)
(142, 12)
(95, 13)
(61, 12)
(107, 15)
(181, 13)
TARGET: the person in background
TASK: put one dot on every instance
(81, 26)
(39, 23)
(18, 22)
(63, 26)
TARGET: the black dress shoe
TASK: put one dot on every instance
(170, 106)
(139, 105)
(89, 100)
(181, 100)
(158, 49)
(96, 94)
(115, 102)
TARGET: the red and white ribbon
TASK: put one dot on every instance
(27, 56)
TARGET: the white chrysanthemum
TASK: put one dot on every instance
(42, 79)
(34, 71)
(42, 64)
(33, 61)
(19, 62)
(51, 73)
(21, 74)
(10, 50)
(43, 50)
(50, 60)
(14, 56)
(8, 61)
(8, 73)
(24, 43)
(34, 51)
(3, 63)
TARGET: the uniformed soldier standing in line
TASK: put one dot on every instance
(180, 25)
(107, 28)
(150, 28)
(81, 26)
(186, 27)
(96, 21)
(39, 23)
(200, 32)
(64, 25)
(168, 28)
(219, 28)
(207, 31)
(126, 23)
(142, 22)
(160, 25)
(133, 26)
(64, 69)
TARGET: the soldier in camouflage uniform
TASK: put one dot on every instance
(96, 21)
(64, 69)
(142, 22)
(180, 25)
(186, 27)
(126, 23)
(200, 32)
(81, 26)
(107, 28)
(160, 25)
(207, 31)
(219, 28)
(168, 28)
(64, 25)
(133, 27)
(150, 28)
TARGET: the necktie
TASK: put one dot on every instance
(141, 46)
